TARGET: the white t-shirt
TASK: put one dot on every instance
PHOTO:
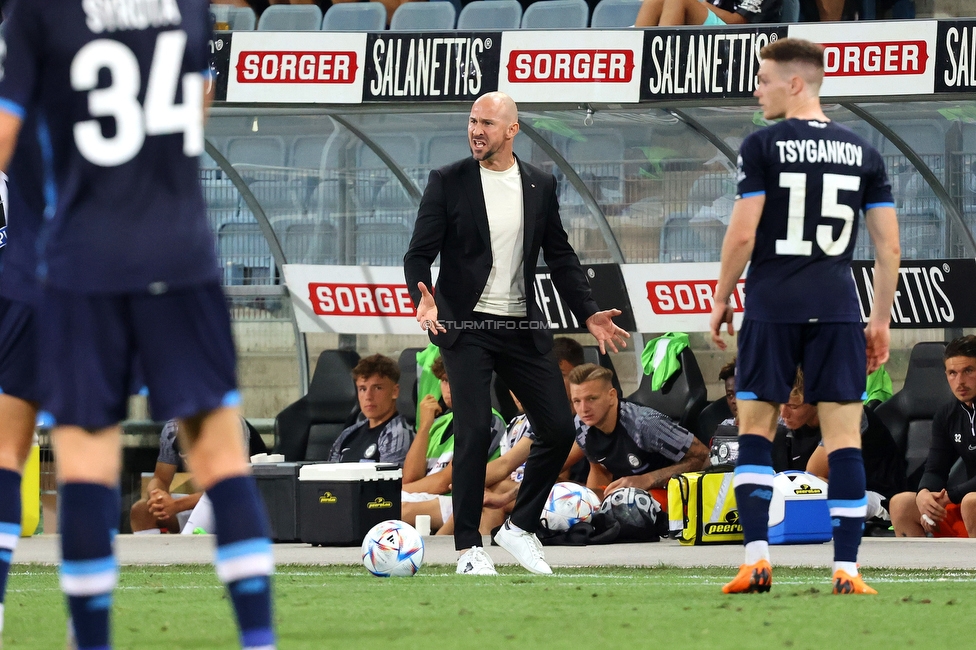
(504, 293)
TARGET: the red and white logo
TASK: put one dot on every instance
(592, 65)
(335, 299)
(865, 59)
(571, 66)
(879, 58)
(296, 67)
(689, 296)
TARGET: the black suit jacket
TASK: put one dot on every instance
(452, 221)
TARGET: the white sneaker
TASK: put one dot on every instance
(476, 562)
(874, 508)
(526, 548)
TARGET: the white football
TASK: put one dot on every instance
(393, 549)
(569, 504)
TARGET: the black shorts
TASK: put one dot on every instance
(833, 357)
(18, 350)
(180, 342)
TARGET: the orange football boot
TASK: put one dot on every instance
(844, 583)
(752, 578)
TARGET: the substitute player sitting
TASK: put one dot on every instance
(628, 445)
(382, 435)
(939, 508)
(802, 183)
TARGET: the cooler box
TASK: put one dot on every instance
(339, 502)
(798, 512)
(278, 485)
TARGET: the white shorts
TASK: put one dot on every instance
(445, 502)
(202, 516)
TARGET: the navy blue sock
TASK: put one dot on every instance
(89, 516)
(244, 560)
(847, 501)
(753, 484)
(9, 526)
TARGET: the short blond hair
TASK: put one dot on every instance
(590, 372)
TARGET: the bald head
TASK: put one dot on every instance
(492, 127)
(500, 104)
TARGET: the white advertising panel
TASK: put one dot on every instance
(351, 299)
(883, 58)
(676, 297)
(296, 67)
(578, 66)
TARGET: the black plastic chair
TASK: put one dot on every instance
(908, 414)
(712, 416)
(682, 397)
(306, 429)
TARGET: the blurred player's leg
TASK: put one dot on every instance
(89, 507)
(16, 431)
(219, 464)
(753, 490)
(846, 497)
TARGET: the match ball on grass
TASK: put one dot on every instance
(569, 504)
(393, 549)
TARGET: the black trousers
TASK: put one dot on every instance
(538, 384)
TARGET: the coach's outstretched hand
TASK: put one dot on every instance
(605, 331)
(721, 313)
(427, 311)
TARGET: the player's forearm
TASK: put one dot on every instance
(438, 483)
(696, 459)
(415, 464)
(885, 282)
(736, 252)
(157, 484)
(882, 225)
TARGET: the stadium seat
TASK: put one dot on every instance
(681, 398)
(908, 413)
(712, 416)
(306, 429)
(244, 255)
(424, 16)
(556, 14)
(290, 18)
(491, 14)
(239, 18)
(355, 17)
(407, 400)
(309, 242)
(615, 13)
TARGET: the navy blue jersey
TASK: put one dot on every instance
(816, 177)
(24, 213)
(119, 86)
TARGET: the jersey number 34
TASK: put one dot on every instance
(158, 115)
(830, 207)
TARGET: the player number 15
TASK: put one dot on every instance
(133, 122)
(830, 207)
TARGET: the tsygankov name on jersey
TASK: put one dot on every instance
(820, 151)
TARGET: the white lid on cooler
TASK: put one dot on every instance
(349, 472)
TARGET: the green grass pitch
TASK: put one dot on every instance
(184, 607)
